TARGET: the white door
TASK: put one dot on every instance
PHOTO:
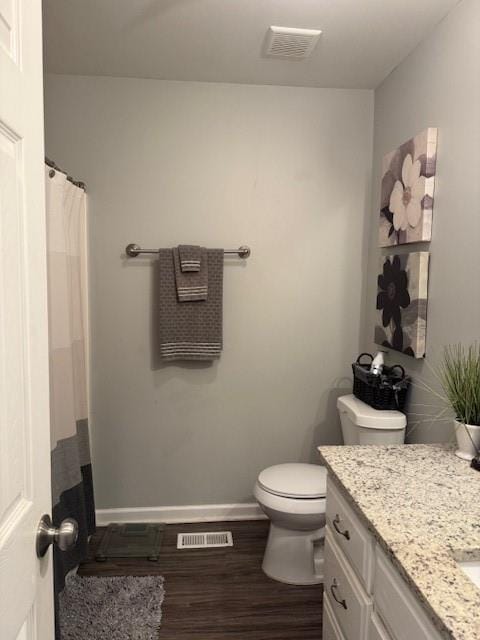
(26, 609)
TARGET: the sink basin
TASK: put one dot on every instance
(471, 568)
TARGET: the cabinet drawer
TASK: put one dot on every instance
(376, 630)
(331, 629)
(397, 606)
(350, 604)
(350, 534)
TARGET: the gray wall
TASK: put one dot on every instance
(437, 85)
(285, 170)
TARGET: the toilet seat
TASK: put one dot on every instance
(298, 506)
(295, 480)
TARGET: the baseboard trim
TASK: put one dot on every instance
(182, 514)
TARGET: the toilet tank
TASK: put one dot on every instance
(361, 424)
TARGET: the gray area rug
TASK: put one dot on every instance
(117, 608)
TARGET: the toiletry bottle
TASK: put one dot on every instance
(377, 364)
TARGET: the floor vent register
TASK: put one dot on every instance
(204, 540)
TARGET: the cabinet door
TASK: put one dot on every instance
(397, 606)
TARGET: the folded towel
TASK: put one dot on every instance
(191, 286)
(189, 257)
(190, 330)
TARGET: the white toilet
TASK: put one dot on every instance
(292, 495)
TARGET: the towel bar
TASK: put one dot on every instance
(133, 250)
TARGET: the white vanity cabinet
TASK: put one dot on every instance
(364, 596)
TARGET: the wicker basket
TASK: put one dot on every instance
(386, 391)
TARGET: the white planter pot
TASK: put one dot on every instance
(468, 440)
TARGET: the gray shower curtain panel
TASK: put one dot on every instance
(72, 486)
(72, 497)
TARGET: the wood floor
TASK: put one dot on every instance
(217, 594)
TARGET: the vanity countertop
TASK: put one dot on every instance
(422, 504)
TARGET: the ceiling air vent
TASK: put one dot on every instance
(287, 42)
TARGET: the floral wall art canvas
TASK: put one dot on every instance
(408, 182)
(402, 286)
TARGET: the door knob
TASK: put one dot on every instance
(65, 536)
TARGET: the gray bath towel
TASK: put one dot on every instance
(191, 330)
(194, 285)
(189, 257)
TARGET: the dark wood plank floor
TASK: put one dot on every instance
(217, 594)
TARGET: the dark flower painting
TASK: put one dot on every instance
(402, 286)
(408, 182)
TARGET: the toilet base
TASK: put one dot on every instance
(294, 557)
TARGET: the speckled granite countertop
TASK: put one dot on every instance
(422, 504)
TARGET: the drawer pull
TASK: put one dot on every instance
(333, 589)
(336, 522)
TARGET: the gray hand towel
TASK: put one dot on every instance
(191, 330)
(191, 286)
(189, 257)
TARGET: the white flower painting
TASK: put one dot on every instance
(408, 182)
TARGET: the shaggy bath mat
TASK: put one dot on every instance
(120, 608)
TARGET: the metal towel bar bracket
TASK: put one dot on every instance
(133, 250)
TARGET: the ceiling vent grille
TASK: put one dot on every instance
(290, 43)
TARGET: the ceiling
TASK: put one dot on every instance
(222, 40)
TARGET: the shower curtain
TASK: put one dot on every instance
(72, 488)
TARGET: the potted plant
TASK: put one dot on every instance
(459, 374)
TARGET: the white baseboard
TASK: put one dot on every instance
(182, 514)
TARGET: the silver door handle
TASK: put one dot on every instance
(65, 536)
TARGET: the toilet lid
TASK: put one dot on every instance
(295, 480)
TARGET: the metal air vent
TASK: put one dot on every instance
(204, 540)
(290, 43)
